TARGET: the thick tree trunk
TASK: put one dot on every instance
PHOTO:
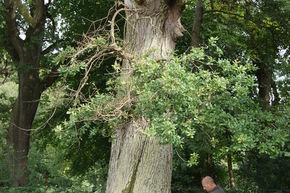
(21, 120)
(26, 54)
(195, 37)
(138, 163)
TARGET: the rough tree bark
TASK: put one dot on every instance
(138, 163)
(26, 55)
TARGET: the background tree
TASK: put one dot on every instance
(30, 35)
(26, 55)
(239, 25)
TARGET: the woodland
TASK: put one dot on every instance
(144, 96)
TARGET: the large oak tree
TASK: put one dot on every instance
(140, 163)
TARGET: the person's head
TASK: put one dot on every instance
(208, 183)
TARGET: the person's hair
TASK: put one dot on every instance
(207, 180)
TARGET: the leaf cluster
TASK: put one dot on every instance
(193, 96)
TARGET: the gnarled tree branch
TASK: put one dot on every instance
(25, 13)
(13, 31)
(34, 19)
(40, 11)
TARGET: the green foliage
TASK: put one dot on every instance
(193, 160)
(8, 93)
(78, 17)
(272, 172)
(49, 171)
(3, 28)
(82, 144)
(177, 97)
(255, 31)
(195, 98)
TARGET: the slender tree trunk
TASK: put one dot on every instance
(195, 37)
(264, 76)
(206, 164)
(138, 163)
(205, 158)
(230, 170)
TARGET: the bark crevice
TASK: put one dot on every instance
(133, 178)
